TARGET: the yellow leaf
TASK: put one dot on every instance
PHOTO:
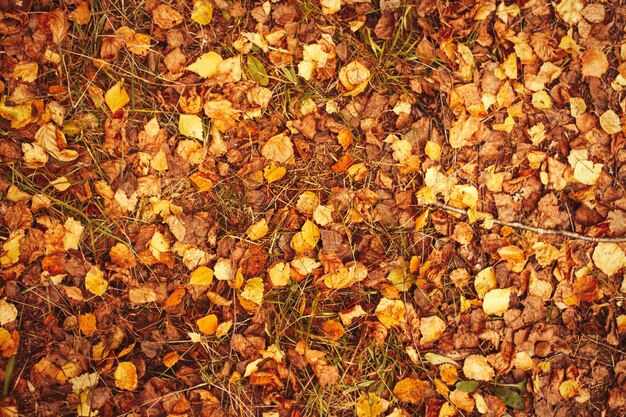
(258, 230)
(273, 172)
(19, 115)
(12, 248)
(170, 359)
(310, 233)
(411, 390)
(87, 324)
(609, 258)
(126, 376)
(610, 122)
(207, 324)
(433, 150)
(202, 12)
(570, 10)
(541, 100)
(448, 373)
(8, 312)
(95, 282)
(191, 126)
(400, 278)
(203, 275)
(496, 301)
(371, 405)
(27, 71)
(253, 291)
(569, 388)
(61, 184)
(73, 233)
(53, 140)
(485, 280)
(587, 172)
(431, 328)
(462, 400)
(330, 6)
(346, 276)
(477, 368)
(116, 97)
(206, 65)
(390, 312)
(280, 274)
(223, 328)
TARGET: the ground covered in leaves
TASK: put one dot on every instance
(312, 208)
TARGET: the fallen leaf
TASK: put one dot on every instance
(207, 324)
(431, 328)
(87, 324)
(258, 230)
(191, 126)
(610, 122)
(390, 313)
(206, 65)
(95, 282)
(8, 312)
(354, 76)
(370, 405)
(165, 17)
(126, 376)
(278, 149)
(280, 274)
(609, 257)
(253, 291)
(496, 301)
(411, 390)
(202, 12)
(477, 368)
(595, 63)
(116, 97)
(203, 275)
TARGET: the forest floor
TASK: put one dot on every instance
(312, 208)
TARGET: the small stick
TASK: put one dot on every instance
(538, 230)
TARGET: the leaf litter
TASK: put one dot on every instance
(312, 208)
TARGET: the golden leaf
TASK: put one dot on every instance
(496, 301)
(202, 12)
(126, 376)
(371, 405)
(191, 126)
(411, 390)
(258, 230)
(116, 97)
(203, 275)
(206, 65)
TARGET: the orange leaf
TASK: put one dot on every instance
(175, 298)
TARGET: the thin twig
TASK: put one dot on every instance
(538, 230)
